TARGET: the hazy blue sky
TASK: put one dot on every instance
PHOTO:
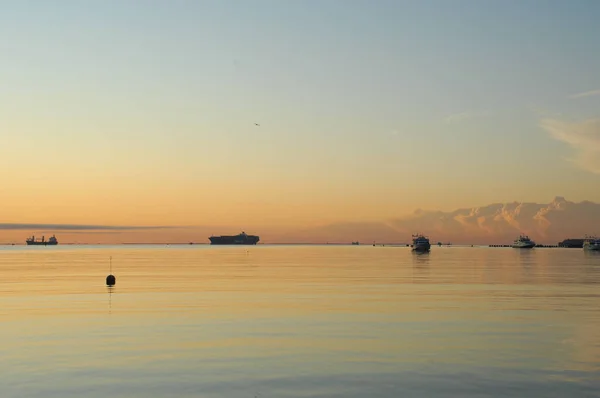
(144, 111)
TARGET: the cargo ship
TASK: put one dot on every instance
(43, 242)
(241, 239)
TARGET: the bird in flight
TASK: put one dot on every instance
(256, 124)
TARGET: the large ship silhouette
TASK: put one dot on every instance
(43, 242)
(241, 239)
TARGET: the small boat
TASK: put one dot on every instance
(523, 242)
(355, 243)
(591, 243)
(420, 243)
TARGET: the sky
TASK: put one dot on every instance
(129, 113)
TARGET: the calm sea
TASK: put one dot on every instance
(298, 321)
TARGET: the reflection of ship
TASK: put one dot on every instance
(241, 239)
(523, 242)
(591, 243)
(44, 242)
(420, 243)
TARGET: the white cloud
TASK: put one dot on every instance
(583, 137)
(497, 223)
(462, 116)
(585, 94)
(502, 222)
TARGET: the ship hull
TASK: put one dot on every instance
(42, 243)
(421, 247)
(234, 240)
(524, 246)
(591, 247)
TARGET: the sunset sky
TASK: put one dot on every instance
(139, 113)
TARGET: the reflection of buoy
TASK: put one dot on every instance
(110, 289)
(110, 279)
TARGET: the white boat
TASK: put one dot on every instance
(591, 243)
(420, 243)
(523, 242)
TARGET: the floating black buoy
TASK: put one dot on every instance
(110, 279)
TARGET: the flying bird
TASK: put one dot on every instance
(256, 124)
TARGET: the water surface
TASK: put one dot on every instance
(298, 321)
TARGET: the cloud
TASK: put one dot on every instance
(77, 227)
(585, 94)
(502, 222)
(462, 116)
(583, 137)
(496, 223)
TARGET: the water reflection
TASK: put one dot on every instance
(592, 254)
(420, 259)
(420, 266)
(110, 290)
(298, 321)
(526, 256)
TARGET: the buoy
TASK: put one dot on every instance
(110, 279)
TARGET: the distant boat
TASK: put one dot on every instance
(43, 242)
(572, 243)
(420, 243)
(355, 243)
(591, 243)
(241, 239)
(523, 242)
